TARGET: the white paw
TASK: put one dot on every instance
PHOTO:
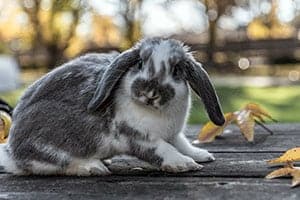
(180, 164)
(201, 155)
(107, 162)
(91, 167)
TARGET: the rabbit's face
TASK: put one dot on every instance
(157, 74)
(157, 81)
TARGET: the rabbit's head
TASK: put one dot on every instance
(157, 72)
(155, 81)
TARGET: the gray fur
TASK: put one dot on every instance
(162, 72)
(201, 84)
(146, 53)
(136, 149)
(146, 154)
(112, 76)
(53, 112)
(151, 67)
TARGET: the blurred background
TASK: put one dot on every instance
(250, 48)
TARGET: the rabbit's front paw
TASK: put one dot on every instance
(201, 155)
(91, 167)
(182, 164)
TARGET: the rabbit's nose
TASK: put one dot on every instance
(152, 95)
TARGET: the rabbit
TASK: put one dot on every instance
(101, 105)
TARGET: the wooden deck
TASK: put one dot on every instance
(237, 173)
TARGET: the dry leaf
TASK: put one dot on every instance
(245, 121)
(287, 171)
(259, 117)
(291, 155)
(258, 111)
(288, 157)
(210, 130)
(5, 123)
(296, 177)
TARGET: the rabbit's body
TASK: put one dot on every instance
(53, 133)
(64, 95)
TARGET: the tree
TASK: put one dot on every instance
(129, 11)
(269, 26)
(214, 10)
(52, 34)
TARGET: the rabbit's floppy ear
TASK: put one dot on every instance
(199, 81)
(111, 77)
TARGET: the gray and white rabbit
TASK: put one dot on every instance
(101, 105)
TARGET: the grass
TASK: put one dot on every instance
(282, 102)
(12, 97)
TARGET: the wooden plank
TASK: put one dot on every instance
(226, 165)
(235, 156)
(285, 136)
(238, 172)
(115, 187)
(280, 128)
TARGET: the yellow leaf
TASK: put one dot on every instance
(2, 132)
(259, 117)
(296, 177)
(210, 130)
(245, 118)
(291, 155)
(258, 111)
(286, 171)
(5, 124)
(288, 157)
(245, 121)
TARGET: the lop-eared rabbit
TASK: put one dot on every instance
(101, 105)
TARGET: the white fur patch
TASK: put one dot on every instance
(184, 146)
(112, 146)
(164, 124)
(161, 53)
(173, 161)
(86, 167)
(6, 161)
(42, 168)
(169, 153)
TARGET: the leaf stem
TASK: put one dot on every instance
(264, 127)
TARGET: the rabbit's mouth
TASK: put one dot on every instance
(146, 103)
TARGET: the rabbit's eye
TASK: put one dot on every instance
(140, 65)
(175, 72)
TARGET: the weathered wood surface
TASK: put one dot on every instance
(226, 165)
(129, 187)
(237, 173)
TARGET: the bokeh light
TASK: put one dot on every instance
(294, 75)
(244, 63)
